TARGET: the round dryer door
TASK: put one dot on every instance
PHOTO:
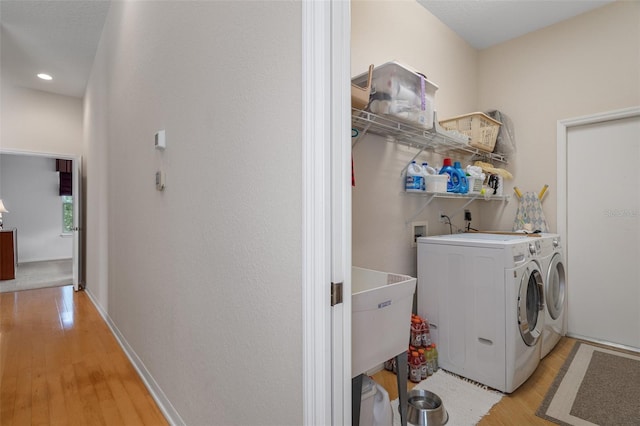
(530, 305)
(555, 287)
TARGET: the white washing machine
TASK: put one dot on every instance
(483, 297)
(555, 291)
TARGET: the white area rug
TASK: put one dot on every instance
(465, 402)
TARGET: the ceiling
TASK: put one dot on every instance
(484, 23)
(60, 37)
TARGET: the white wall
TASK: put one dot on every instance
(95, 178)
(586, 65)
(406, 32)
(42, 122)
(204, 278)
(29, 187)
(402, 30)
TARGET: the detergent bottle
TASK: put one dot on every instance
(414, 180)
(464, 183)
(453, 184)
(427, 170)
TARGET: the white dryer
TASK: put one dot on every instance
(555, 291)
(483, 297)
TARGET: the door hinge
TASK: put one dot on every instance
(336, 293)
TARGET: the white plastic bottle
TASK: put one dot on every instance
(414, 180)
(427, 170)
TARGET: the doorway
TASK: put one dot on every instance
(599, 217)
(46, 220)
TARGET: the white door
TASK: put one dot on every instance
(77, 200)
(341, 209)
(602, 228)
(327, 211)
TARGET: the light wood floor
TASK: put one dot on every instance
(519, 407)
(61, 365)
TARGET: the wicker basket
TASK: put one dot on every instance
(481, 129)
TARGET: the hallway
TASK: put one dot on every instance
(60, 364)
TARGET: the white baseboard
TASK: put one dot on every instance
(604, 342)
(154, 389)
(48, 259)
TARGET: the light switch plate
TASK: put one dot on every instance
(160, 140)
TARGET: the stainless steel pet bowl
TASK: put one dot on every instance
(425, 409)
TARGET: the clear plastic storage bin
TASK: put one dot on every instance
(401, 92)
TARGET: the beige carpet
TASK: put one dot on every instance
(33, 275)
(595, 386)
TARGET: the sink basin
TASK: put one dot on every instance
(381, 306)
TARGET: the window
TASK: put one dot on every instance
(67, 214)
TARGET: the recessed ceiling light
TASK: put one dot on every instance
(45, 76)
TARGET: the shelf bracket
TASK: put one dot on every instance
(424, 206)
(359, 135)
(461, 209)
(469, 197)
(403, 172)
(504, 198)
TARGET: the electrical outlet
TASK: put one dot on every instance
(467, 215)
(441, 217)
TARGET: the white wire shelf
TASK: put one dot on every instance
(430, 196)
(435, 140)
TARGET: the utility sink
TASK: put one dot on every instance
(381, 306)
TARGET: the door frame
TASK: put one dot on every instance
(76, 182)
(561, 170)
(563, 128)
(326, 151)
(77, 253)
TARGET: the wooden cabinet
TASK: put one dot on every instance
(7, 254)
